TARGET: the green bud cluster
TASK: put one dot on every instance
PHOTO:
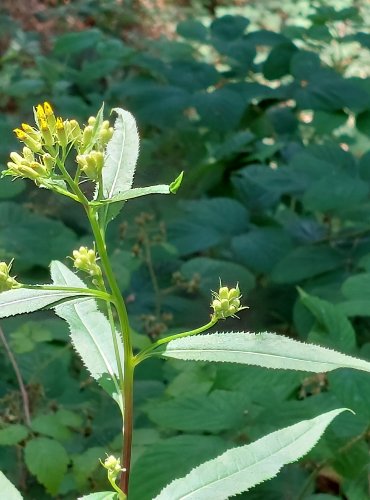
(113, 466)
(94, 136)
(7, 282)
(91, 164)
(226, 302)
(85, 259)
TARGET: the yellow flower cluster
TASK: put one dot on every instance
(52, 138)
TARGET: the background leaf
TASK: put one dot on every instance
(47, 460)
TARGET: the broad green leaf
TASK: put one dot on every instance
(192, 29)
(8, 491)
(345, 192)
(277, 63)
(121, 155)
(207, 223)
(228, 27)
(262, 349)
(101, 495)
(12, 434)
(214, 412)
(25, 300)
(332, 327)
(90, 332)
(32, 239)
(85, 464)
(47, 460)
(262, 248)
(212, 270)
(51, 426)
(357, 287)
(241, 468)
(71, 43)
(305, 262)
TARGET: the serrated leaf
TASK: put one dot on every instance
(12, 434)
(8, 490)
(137, 192)
(121, 155)
(90, 332)
(262, 349)
(25, 300)
(239, 469)
(47, 460)
(101, 495)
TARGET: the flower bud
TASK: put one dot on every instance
(91, 164)
(33, 144)
(61, 133)
(50, 117)
(91, 121)
(74, 132)
(85, 259)
(46, 133)
(86, 137)
(226, 302)
(7, 282)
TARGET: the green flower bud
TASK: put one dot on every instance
(7, 282)
(226, 302)
(85, 260)
(86, 137)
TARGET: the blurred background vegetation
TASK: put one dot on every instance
(266, 107)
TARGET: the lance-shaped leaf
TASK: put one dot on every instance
(90, 332)
(239, 469)
(26, 300)
(7, 489)
(136, 193)
(262, 349)
(121, 155)
(101, 495)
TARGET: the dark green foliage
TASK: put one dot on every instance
(272, 130)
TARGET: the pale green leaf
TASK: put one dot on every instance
(101, 495)
(262, 349)
(137, 192)
(121, 155)
(241, 468)
(90, 331)
(7, 489)
(47, 460)
(25, 300)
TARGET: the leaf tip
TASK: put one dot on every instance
(174, 186)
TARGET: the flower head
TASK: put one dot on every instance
(85, 259)
(226, 302)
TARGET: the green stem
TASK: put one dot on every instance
(83, 291)
(128, 353)
(146, 353)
